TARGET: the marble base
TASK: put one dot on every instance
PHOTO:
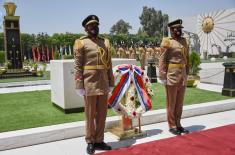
(127, 134)
(63, 84)
(228, 92)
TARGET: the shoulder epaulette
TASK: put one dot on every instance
(166, 42)
(106, 42)
(83, 37)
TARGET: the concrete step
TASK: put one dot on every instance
(27, 137)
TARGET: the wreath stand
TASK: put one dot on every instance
(125, 129)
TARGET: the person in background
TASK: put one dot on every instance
(142, 57)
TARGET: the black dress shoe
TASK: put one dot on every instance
(183, 130)
(175, 131)
(90, 148)
(102, 146)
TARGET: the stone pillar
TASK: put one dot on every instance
(205, 54)
(151, 70)
(12, 37)
(229, 79)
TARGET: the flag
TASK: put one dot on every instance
(70, 51)
(43, 54)
(65, 50)
(38, 53)
(61, 52)
(52, 53)
(48, 54)
(34, 56)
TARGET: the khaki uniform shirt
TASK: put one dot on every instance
(142, 54)
(89, 53)
(121, 52)
(149, 52)
(133, 53)
(173, 62)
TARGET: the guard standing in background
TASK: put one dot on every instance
(142, 57)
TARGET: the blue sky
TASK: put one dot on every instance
(61, 16)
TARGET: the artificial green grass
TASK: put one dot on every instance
(34, 109)
(22, 79)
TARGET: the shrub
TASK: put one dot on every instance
(56, 55)
(194, 62)
(2, 57)
(113, 51)
(68, 57)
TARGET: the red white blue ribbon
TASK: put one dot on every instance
(130, 74)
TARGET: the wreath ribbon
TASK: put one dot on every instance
(130, 73)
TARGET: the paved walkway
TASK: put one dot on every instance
(45, 85)
(77, 146)
(24, 89)
(210, 87)
(25, 83)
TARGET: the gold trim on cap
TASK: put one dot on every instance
(177, 25)
(92, 21)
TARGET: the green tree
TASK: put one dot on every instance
(2, 58)
(165, 19)
(27, 41)
(153, 22)
(64, 39)
(2, 42)
(121, 27)
(142, 33)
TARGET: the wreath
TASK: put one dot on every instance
(131, 94)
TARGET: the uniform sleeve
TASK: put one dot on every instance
(78, 63)
(162, 65)
(110, 69)
(165, 45)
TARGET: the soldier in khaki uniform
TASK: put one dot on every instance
(156, 55)
(142, 57)
(149, 52)
(121, 52)
(94, 78)
(133, 54)
(173, 71)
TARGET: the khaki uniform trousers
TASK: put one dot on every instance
(95, 111)
(175, 99)
(142, 62)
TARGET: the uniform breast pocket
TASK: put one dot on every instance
(88, 74)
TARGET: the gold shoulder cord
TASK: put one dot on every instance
(101, 52)
(104, 60)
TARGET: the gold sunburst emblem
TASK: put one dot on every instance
(207, 24)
